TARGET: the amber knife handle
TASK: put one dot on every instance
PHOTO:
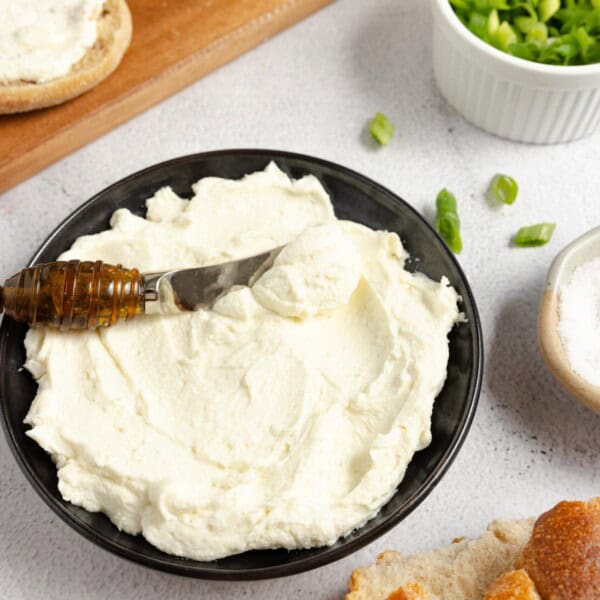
(73, 295)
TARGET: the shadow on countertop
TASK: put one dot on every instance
(526, 395)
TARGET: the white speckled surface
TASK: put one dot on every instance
(311, 90)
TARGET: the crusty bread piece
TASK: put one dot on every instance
(461, 571)
(556, 559)
(114, 35)
(563, 556)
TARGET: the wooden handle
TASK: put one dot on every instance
(73, 295)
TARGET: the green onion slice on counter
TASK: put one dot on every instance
(534, 235)
(381, 129)
(504, 189)
(447, 222)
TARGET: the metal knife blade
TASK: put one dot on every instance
(199, 288)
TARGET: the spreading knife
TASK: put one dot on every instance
(90, 294)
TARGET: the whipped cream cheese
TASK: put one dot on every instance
(41, 40)
(284, 417)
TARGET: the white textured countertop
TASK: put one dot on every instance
(311, 90)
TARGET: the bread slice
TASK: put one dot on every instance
(114, 35)
(557, 558)
(461, 571)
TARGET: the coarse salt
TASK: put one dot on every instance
(579, 320)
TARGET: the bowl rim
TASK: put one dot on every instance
(549, 339)
(328, 554)
(494, 53)
(558, 269)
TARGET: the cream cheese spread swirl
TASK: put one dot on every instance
(284, 417)
(41, 40)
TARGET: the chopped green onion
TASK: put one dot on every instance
(447, 222)
(381, 129)
(461, 4)
(504, 36)
(584, 40)
(547, 8)
(493, 23)
(538, 33)
(525, 24)
(504, 188)
(554, 32)
(478, 24)
(526, 50)
(534, 235)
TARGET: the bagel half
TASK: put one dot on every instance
(113, 38)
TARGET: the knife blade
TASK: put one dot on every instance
(199, 288)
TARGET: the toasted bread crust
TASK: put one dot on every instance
(514, 585)
(114, 35)
(412, 591)
(563, 554)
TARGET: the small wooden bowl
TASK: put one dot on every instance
(583, 249)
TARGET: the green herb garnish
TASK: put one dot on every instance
(381, 129)
(504, 189)
(447, 222)
(534, 235)
(554, 32)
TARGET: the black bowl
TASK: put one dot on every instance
(354, 197)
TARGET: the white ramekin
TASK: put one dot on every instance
(511, 97)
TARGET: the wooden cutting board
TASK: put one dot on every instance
(175, 42)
